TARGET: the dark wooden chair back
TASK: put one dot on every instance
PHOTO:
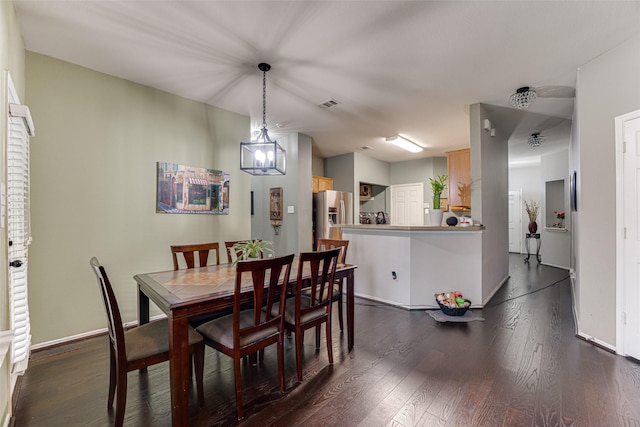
(189, 251)
(313, 300)
(268, 283)
(326, 244)
(321, 266)
(228, 248)
(114, 320)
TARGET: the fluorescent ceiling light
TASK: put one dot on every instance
(404, 143)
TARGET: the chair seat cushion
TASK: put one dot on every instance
(290, 311)
(151, 339)
(221, 330)
(335, 295)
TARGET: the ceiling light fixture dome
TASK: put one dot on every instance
(404, 143)
(535, 140)
(263, 156)
(523, 97)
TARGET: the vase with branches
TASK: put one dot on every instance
(533, 208)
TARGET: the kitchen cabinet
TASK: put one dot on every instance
(321, 183)
(459, 171)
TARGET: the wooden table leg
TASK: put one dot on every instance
(143, 307)
(179, 370)
(350, 310)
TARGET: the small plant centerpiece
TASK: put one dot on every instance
(532, 207)
(249, 249)
(437, 186)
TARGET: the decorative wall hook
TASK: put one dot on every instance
(276, 227)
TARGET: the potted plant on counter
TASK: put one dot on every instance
(249, 249)
(437, 186)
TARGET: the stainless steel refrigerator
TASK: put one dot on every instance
(331, 209)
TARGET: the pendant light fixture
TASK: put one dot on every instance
(523, 97)
(263, 156)
(535, 140)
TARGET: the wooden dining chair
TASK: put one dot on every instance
(338, 291)
(246, 332)
(189, 253)
(229, 250)
(307, 311)
(139, 347)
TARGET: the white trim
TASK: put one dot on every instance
(88, 334)
(619, 146)
(495, 291)
(6, 337)
(619, 158)
(593, 340)
(561, 267)
(403, 306)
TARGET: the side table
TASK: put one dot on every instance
(527, 240)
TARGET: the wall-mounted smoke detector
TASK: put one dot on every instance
(329, 103)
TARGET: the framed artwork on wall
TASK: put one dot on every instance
(191, 190)
(275, 203)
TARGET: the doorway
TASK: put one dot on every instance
(628, 234)
(515, 221)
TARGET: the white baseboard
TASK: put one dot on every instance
(562, 267)
(84, 335)
(597, 342)
(495, 290)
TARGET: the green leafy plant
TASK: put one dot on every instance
(437, 186)
(252, 249)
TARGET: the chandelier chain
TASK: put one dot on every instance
(264, 99)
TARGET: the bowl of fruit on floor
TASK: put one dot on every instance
(453, 303)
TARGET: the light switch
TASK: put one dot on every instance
(291, 209)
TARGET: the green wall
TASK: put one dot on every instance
(93, 188)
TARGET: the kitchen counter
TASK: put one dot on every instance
(406, 265)
(413, 227)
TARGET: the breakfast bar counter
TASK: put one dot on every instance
(406, 265)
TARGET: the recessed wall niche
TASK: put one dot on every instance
(554, 203)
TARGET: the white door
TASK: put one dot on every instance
(631, 243)
(515, 221)
(406, 204)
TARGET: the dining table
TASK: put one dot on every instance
(184, 294)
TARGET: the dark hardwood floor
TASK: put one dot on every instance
(521, 366)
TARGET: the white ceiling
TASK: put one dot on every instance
(396, 67)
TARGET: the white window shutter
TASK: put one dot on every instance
(19, 230)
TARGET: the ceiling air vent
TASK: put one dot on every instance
(329, 103)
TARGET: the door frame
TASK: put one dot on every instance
(620, 228)
(519, 191)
